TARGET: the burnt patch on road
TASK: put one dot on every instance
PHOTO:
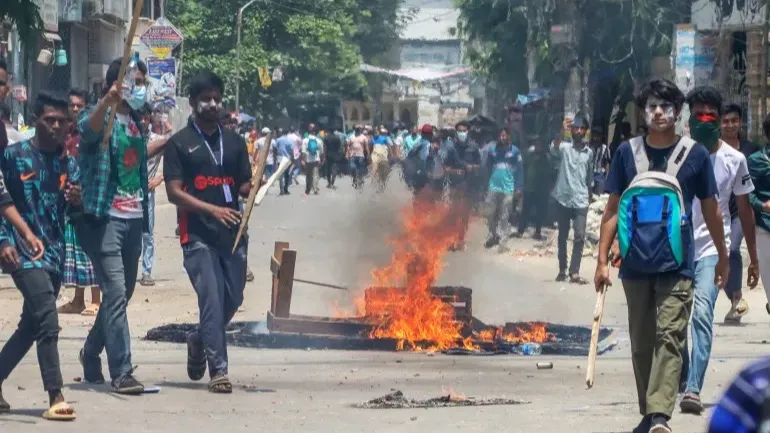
(397, 400)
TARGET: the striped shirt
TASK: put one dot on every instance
(745, 403)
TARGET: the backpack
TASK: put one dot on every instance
(312, 146)
(651, 213)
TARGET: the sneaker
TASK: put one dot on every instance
(643, 427)
(127, 385)
(659, 424)
(561, 277)
(691, 404)
(92, 368)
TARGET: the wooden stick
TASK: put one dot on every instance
(598, 313)
(282, 167)
(123, 66)
(256, 180)
(315, 283)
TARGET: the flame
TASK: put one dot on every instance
(413, 316)
(451, 395)
(534, 332)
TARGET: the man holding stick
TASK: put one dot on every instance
(206, 168)
(652, 183)
(115, 214)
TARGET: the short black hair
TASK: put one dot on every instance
(205, 80)
(662, 88)
(5, 111)
(705, 95)
(80, 93)
(114, 70)
(463, 123)
(51, 99)
(733, 108)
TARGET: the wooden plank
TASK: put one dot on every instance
(256, 181)
(275, 266)
(285, 283)
(314, 325)
(278, 249)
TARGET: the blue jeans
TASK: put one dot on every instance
(148, 239)
(706, 292)
(269, 170)
(358, 170)
(735, 280)
(114, 246)
(285, 180)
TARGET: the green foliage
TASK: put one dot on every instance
(25, 14)
(319, 45)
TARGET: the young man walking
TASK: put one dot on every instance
(464, 183)
(312, 158)
(206, 170)
(115, 214)
(506, 177)
(333, 154)
(572, 193)
(733, 179)
(732, 121)
(357, 153)
(652, 183)
(40, 177)
(282, 149)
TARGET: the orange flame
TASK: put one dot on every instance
(534, 332)
(414, 316)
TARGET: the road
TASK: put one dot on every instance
(340, 236)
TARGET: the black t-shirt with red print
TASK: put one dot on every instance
(197, 164)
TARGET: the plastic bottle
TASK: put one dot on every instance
(530, 349)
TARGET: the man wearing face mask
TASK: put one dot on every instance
(207, 169)
(732, 177)
(464, 183)
(115, 214)
(658, 266)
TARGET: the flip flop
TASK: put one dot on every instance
(91, 310)
(220, 385)
(70, 308)
(60, 412)
(577, 279)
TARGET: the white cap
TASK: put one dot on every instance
(265, 130)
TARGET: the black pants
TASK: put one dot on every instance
(565, 216)
(534, 210)
(330, 170)
(39, 324)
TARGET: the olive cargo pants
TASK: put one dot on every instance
(659, 309)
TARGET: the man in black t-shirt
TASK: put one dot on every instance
(334, 154)
(206, 168)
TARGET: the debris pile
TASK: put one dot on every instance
(397, 400)
(594, 223)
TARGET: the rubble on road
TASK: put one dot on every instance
(397, 400)
(594, 223)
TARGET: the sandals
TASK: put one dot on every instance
(196, 358)
(70, 308)
(577, 279)
(91, 310)
(220, 385)
(691, 404)
(60, 412)
(147, 281)
(737, 310)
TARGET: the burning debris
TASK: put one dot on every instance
(397, 400)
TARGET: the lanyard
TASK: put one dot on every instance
(211, 152)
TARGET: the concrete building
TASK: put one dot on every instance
(432, 82)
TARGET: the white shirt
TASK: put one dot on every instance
(732, 175)
(260, 144)
(317, 156)
(14, 136)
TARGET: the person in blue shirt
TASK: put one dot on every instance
(745, 406)
(506, 176)
(415, 164)
(380, 150)
(283, 148)
(43, 180)
(659, 299)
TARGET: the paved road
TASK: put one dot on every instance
(340, 236)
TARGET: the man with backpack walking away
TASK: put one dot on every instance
(732, 176)
(652, 183)
(312, 158)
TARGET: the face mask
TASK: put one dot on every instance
(137, 98)
(704, 129)
(462, 136)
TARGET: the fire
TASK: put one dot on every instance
(413, 316)
(535, 332)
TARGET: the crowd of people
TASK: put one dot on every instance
(78, 204)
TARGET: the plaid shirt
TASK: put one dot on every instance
(99, 182)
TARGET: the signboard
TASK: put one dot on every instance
(157, 67)
(161, 38)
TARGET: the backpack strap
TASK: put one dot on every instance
(640, 155)
(679, 155)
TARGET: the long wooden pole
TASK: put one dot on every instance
(123, 65)
(256, 181)
(593, 349)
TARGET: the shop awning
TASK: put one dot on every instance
(419, 74)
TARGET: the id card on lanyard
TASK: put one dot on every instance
(225, 187)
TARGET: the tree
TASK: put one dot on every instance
(25, 15)
(316, 43)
